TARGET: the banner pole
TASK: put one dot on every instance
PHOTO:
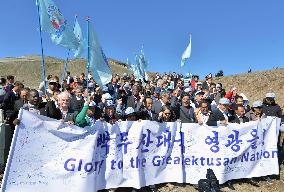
(41, 44)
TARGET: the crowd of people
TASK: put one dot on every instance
(163, 98)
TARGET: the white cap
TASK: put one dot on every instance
(272, 95)
(198, 83)
(186, 85)
(109, 103)
(224, 101)
(129, 110)
(92, 104)
(106, 96)
(244, 97)
(257, 104)
(199, 93)
(189, 89)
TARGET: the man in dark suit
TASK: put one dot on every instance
(186, 112)
(239, 115)
(134, 99)
(164, 100)
(221, 115)
(77, 101)
(9, 101)
(113, 87)
(145, 111)
(24, 95)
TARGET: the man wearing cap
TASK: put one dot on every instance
(257, 112)
(198, 86)
(110, 115)
(130, 114)
(221, 115)
(197, 99)
(270, 108)
(209, 80)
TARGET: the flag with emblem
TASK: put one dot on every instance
(54, 23)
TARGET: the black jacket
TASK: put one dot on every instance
(236, 119)
(18, 104)
(215, 116)
(8, 104)
(272, 110)
(76, 105)
(144, 115)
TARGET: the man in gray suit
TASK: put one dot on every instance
(186, 112)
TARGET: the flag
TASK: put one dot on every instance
(99, 66)
(137, 68)
(54, 23)
(186, 54)
(79, 35)
(143, 64)
(129, 67)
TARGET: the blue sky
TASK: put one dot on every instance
(226, 34)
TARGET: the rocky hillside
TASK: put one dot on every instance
(28, 68)
(256, 85)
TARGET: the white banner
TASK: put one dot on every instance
(47, 155)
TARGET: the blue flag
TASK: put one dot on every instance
(138, 73)
(99, 66)
(79, 35)
(143, 64)
(54, 23)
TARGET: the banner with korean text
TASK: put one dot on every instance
(47, 155)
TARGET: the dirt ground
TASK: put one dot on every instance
(261, 185)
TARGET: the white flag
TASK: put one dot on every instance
(186, 54)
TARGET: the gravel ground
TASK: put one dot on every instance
(277, 185)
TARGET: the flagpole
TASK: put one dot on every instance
(65, 66)
(68, 55)
(41, 44)
(88, 57)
